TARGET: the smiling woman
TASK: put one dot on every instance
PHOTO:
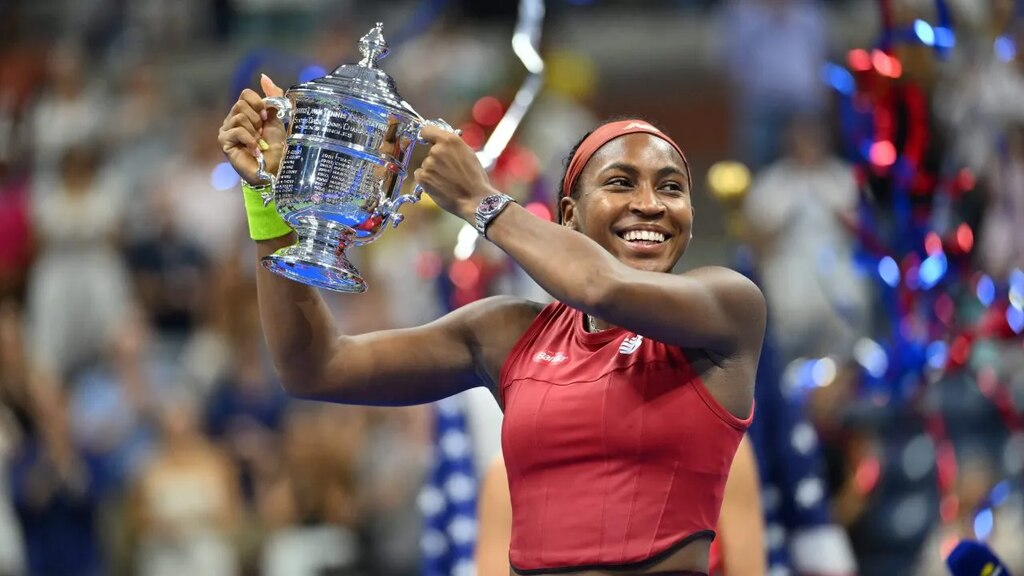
(633, 163)
(625, 400)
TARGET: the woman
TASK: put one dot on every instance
(624, 400)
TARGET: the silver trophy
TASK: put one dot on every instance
(350, 139)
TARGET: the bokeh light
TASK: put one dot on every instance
(932, 243)
(1015, 319)
(859, 60)
(983, 523)
(728, 179)
(540, 210)
(1005, 48)
(488, 111)
(224, 177)
(924, 32)
(871, 356)
(937, 354)
(933, 269)
(882, 154)
(889, 271)
(964, 238)
(986, 290)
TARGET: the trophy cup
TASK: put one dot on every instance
(350, 137)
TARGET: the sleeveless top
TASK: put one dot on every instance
(617, 454)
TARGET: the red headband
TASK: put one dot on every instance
(606, 134)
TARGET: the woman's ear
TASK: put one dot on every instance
(567, 208)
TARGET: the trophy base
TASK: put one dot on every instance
(318, 258)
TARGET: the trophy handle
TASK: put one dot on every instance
(438, 123)
(396, 217)
(284, 113)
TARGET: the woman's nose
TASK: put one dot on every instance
(645, 201)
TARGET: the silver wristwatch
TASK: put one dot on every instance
(488, 209)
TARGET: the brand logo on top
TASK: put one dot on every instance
(631, 344)
(550, 357)
(641, 125)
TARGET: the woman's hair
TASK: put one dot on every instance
(575, 192)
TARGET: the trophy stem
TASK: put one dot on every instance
(318, 258)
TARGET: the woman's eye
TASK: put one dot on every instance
(618, 182)
(674, 187)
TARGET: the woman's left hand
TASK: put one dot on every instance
(451, 173)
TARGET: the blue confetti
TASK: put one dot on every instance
(983, 522)
(924, 32)
(986, 290)
(889, 270)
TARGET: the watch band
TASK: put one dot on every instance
(488, 210)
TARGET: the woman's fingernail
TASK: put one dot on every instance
(263, 114)
(263, 144)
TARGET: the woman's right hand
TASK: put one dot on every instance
(251, 128)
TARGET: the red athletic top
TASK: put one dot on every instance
(616, 453)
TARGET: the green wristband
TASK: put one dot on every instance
(264, 221)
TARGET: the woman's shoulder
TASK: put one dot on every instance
(502, 311)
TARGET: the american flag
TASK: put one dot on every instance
(448, 500)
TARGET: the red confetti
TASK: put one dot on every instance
(883, 154)
(964, 238)
(488, 111)
(869, 471)
(960, 351)
(965, 179)
(859, 60)
(945, 309)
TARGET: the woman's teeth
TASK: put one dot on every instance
(643, 236)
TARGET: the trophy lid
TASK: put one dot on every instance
(365, 81)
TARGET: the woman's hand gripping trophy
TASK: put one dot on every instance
(251, 129)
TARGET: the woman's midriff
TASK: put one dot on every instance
(690, 560)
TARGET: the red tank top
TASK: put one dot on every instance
(616, 453)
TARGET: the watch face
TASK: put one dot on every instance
(490, 203)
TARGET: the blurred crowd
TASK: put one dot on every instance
(141, 427)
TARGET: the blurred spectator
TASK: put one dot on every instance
(817, 301)
(79, 285)
(114, 401)
(144, 133)
(391, 469)
(245, 412)
(309, 505)
(187, 505)
(774, 51)
(71, 111)
(172, 275)
(1001, 248)
(56, 491)
(983, 89)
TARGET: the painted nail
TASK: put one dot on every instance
(263, 144)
